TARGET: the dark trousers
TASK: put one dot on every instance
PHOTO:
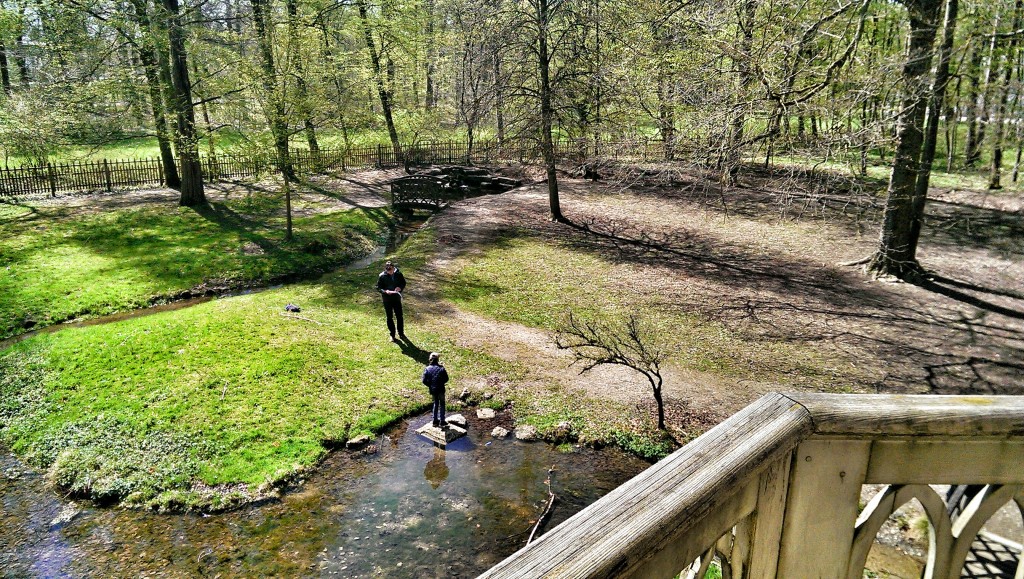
(393, 309)
(438, 395)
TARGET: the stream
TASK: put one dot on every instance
(409, 509)
(406, 509)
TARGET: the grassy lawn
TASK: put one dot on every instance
(59, 263)
(230, 392)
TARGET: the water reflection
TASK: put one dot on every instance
(437, 470)
(410, 510)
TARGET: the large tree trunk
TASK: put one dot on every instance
(192, 192)
(150, 58)
(896, 251)
(546, 111)
(384, 92)
(931, 136)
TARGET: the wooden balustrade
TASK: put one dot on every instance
(773, 492)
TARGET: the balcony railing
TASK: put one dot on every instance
(773, 492)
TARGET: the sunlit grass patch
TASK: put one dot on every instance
(226, 392)
(57, 265)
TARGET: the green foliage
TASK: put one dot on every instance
(135, 257)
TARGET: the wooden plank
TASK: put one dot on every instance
(771, 510)
(682, 549)
(918, 415)
(915, 461)
(824, 488)
(620, 532)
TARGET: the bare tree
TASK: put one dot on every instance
(633, 344)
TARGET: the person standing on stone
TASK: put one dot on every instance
(434, 378)
(390, 284)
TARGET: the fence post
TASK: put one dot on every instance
(52, 176)
(106, 175)
(380, 156)
(160, 172)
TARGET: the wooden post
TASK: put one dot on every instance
(106, 175)
(380, 156)
(53, 179)
(821, 511)
(160, 173)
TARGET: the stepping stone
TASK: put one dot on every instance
(439, 435)
(485, 413)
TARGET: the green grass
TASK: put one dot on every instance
(226, 392)
(526, 281)
(58, 265)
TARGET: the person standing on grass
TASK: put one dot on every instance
(434, 378)
(390, 284)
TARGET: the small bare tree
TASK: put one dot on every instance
(633, 344)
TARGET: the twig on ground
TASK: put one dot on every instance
(547, 509)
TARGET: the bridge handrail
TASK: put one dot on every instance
(774, 490)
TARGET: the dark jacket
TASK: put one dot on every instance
(391, 282)
(435, 377)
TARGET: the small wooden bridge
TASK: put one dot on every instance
(420, 192)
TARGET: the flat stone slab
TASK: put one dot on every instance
(440, 435)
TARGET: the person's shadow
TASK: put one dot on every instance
(436, 471)
(413, 351)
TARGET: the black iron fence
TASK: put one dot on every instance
(110, 175)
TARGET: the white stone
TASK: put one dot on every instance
(485, 413)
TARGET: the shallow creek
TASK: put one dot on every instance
(408, 510)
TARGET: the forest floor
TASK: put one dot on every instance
(764, 261)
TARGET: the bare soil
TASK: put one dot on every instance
(765, 259)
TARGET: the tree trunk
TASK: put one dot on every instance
(546, 110)
(1004, 98)
(431, 98)
(499, 96)
(276, 115)
(936, 99)
(972, 147)
(5, 72)
(19, 56)
(384, 92)
(895, 255)
(730, 167)
(150, 58)
(192, 192)
(308, 127)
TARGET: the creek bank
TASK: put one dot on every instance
(409, 510)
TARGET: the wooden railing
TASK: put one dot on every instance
(773, 492)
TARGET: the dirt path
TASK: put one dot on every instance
(740, 259)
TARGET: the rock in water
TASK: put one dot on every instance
(457, 419)
(66, 515)
(526, 433)
(499, 432)
(358, 442)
